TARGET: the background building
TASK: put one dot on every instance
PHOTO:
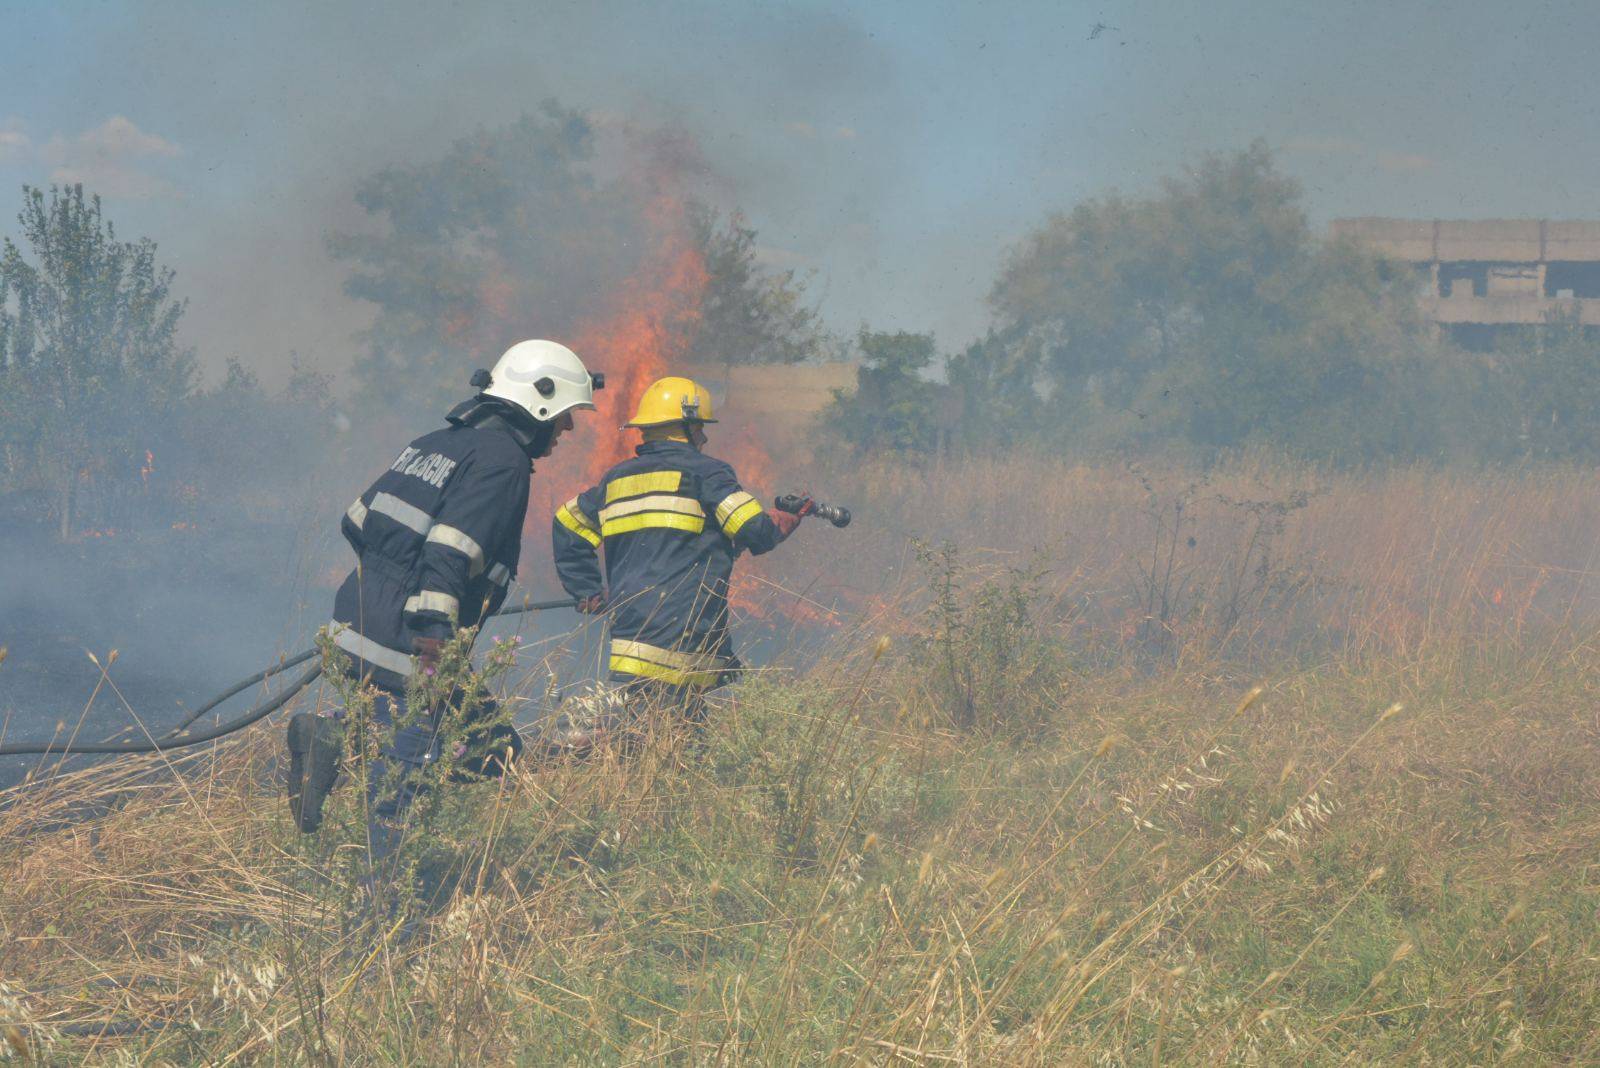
(1484, 275)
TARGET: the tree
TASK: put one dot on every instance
(1208, 315)
(748, 314)
(88, 356)
(894, 406)
(521, 231)
(1550, 375)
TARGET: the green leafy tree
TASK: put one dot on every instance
(1209, 316)
(894, 406)
(89, 359)
(748, 314)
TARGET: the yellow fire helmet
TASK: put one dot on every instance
(673, 400)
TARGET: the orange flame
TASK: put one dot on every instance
(643, 338)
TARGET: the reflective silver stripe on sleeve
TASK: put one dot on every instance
(357, 514)
(500, 575)
(365, 648)
(445, 534)
(401, 512)
(433, 601)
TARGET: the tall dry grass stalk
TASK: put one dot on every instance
(1267, 555)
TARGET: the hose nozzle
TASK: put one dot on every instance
(799, 504)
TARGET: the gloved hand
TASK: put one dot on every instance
(784, 521)
(427, 651)
(592, 606)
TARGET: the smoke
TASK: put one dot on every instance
(303, 102)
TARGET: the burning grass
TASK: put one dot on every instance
(989, 841)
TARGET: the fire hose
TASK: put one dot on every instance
(179, 737)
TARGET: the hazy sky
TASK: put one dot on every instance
(897, 149)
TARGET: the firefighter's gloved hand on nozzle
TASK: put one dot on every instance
(427, 651)
(591, 606)
(784, 521)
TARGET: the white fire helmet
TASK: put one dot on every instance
(543, 378)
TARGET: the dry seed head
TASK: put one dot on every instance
(1391, 712)
(1375, 874)
(881, 648)
(1401, 952)
(1288, 770)
(870, 842)
(1504, 1006)
(925, 867)
(1250, 698)
(1108, 743)
(14, 1036)
(1514, 913)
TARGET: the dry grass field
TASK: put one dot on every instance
(1096, 765)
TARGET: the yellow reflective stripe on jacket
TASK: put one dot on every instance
(739, 509)
(649, 482)
(675, 658)
(675, 666)
(693, 524)
(628, 665)
(730, 504)
(571, 516)
(659, 502)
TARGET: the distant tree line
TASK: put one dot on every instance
(1209, 317)
(1204, 317)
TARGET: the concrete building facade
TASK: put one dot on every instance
(1480, 276)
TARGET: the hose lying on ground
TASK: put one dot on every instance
(179, 738)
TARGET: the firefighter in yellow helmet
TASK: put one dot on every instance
(670, 520)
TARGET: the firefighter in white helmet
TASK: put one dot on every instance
(437, 539)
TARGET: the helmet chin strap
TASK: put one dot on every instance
(533, 435)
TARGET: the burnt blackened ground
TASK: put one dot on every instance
(188, 612)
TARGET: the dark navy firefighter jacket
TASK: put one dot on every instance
(437, 540)
(671, 520)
